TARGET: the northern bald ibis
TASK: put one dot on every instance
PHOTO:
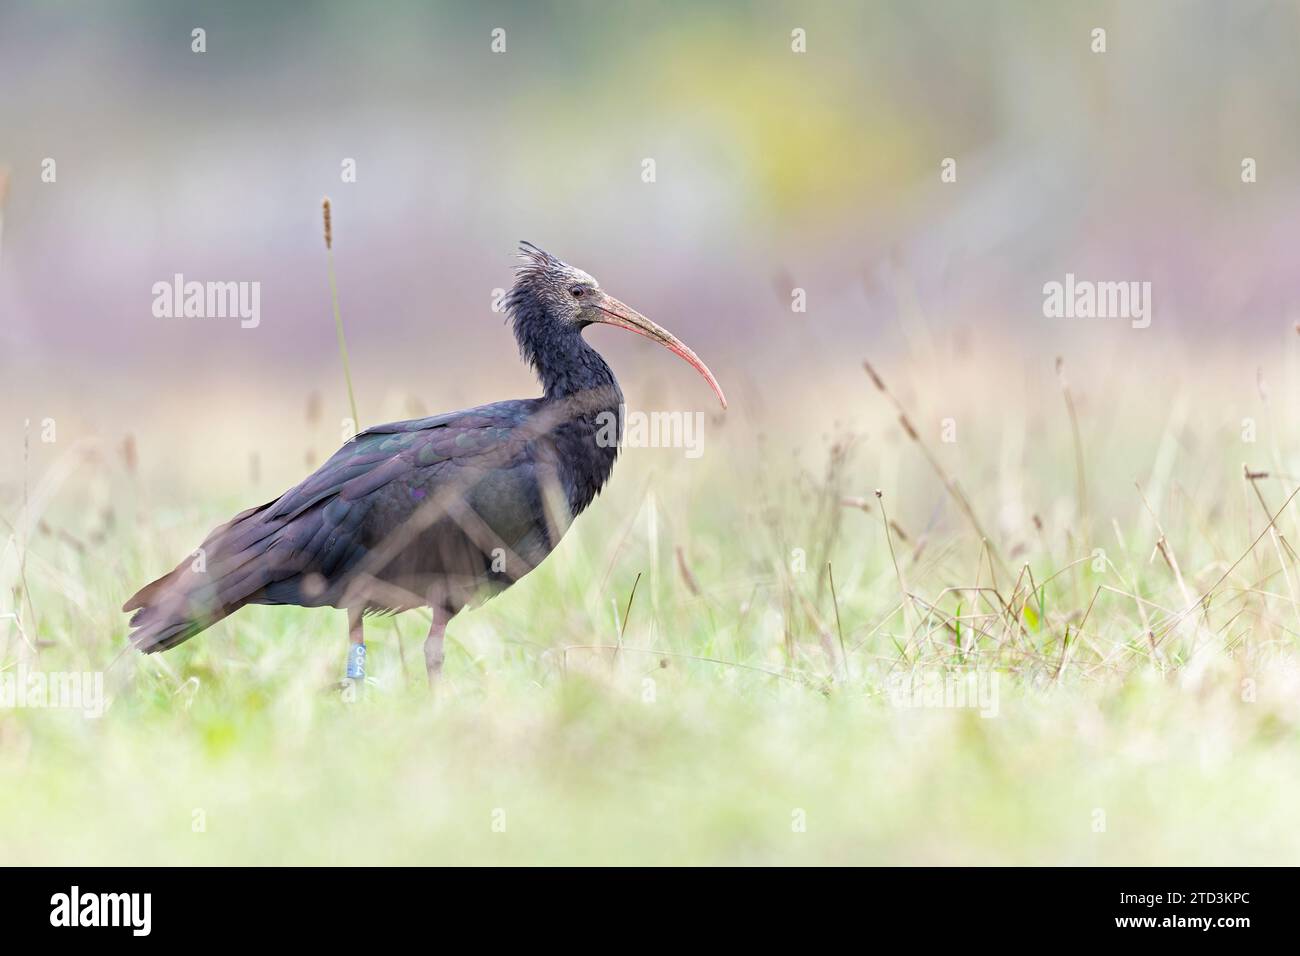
(436, 512)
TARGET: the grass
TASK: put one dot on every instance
(737, 707)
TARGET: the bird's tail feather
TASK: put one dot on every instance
(197, 593)
(172, 610)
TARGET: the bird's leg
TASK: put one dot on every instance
(433, 645)
(356, 672)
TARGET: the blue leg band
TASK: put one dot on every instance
(357, 662)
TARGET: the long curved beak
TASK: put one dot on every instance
(614, 312)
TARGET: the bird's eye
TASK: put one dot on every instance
(577, 291)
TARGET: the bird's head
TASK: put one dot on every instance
(574, 300)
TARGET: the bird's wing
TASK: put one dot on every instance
(314, 526)
(378, 455)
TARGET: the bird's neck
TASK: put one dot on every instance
(580, 393)
(568, 368)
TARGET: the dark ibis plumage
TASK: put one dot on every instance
(436, 512)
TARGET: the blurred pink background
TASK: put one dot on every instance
(775, 170)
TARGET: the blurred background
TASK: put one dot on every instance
(774, 170)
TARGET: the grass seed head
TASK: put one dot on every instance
(329, 229)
